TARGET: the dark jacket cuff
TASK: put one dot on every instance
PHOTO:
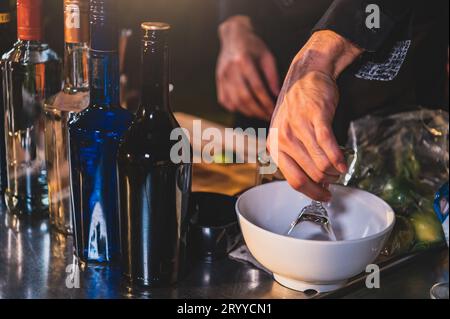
(348, 19)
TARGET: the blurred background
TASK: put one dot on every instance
(193, 47)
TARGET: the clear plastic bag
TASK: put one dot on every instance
(403, 158)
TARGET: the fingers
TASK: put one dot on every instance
(300, 181)
(327, 141)
(306, 134)
(236, 94)
(270, 71)
(298, 152)
(241, 88)
(231, 93)
(244, 99)
(257, 87)
(309, 156)
(223, 97)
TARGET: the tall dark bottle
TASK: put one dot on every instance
(153, 185)
(7, 36)
(94, 136)
(31, 73)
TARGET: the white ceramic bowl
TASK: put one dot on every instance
(307, 260)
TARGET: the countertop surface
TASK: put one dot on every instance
(38, 263)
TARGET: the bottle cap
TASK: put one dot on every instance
(29, 20)
(152, 30)
(155, 26)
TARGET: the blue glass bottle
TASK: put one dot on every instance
(94, 136)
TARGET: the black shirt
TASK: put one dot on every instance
(405, 59)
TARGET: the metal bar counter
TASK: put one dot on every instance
(37, 263)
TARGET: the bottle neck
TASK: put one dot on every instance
(76, 76)
(103, 60)
(104, 78)
(76, 52)
(155, 77)
(31, 45)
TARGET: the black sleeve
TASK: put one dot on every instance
(348, 19)
(229, 8)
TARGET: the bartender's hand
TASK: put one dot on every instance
(308, 154)
(246, 74)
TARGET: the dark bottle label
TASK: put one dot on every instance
(5, 17)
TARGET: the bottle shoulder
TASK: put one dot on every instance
(31, 53)
(97, 118)
(80, 47)
(151, 139)
(68, 102)
(159, 119)
(152, 129)
(151, 154)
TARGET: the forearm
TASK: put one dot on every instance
(326, 52)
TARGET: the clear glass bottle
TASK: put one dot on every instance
(153, 187)
(31, 73)
(71, 100)
(7, 36)
(94, 136)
